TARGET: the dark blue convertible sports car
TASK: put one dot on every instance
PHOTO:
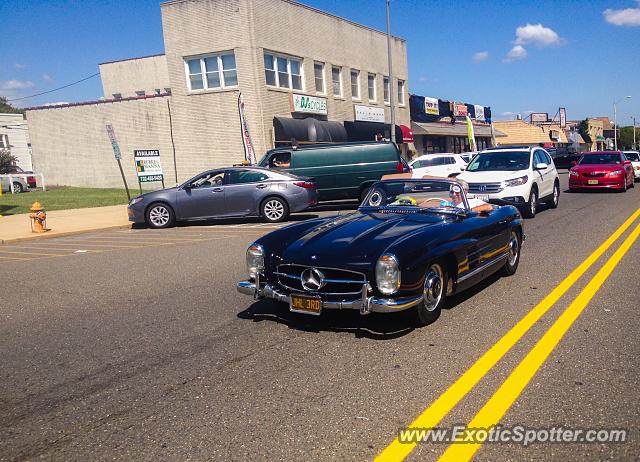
(410, 244)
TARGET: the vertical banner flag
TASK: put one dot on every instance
(249, 152)
(472, 138)
(479, 112)
(431, 106)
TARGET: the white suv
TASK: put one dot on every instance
(520, 176)
(445, 165)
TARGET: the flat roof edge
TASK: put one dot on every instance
(88, 103)
(131, 59)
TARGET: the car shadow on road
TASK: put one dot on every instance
(373, 326)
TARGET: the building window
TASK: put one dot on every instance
(385, 88)
(157, 91)
(117, 95)
(167, 90)
(400, 92)
(355, 83)
(212, 72)
(282, 71)
(140, 93)
(336, 80)
(318, 73)
(371, 86)
(4, 141)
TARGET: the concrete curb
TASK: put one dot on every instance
(62, 234)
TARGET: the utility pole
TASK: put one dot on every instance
(615, 122)
(392, 101)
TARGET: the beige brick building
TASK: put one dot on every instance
(277, 53)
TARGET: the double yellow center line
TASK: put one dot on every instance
(504, 397)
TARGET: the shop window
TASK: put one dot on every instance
(371, 87)
(355, 83)
(283, 71)
(212, 72)
(318, 74)
(336, 80)
(401, 92)
(385, 88)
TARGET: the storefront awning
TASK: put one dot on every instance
(308, 130)
(407, 134)
(371, 131)
(446, 129)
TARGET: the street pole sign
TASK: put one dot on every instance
(118, 155)
(148, 166)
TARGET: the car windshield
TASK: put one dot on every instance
(595, 159)
(418, 195)
(499, 161)
(633, 156)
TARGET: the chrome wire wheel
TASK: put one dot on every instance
(556, 195)
(514, 249)
(159, 216)
(273, 210)
(433, 287)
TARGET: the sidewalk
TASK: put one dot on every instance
(63, 222)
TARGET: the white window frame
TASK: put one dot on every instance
(288, 58)
(375, 93)
(324, 82)
(400, 92)
(357, 97)
(203, 71)
(4, 141)
(386, 88)
(339, 95)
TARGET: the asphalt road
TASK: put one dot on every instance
(135, 345)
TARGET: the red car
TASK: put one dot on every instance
(31, 180)
(609, 169)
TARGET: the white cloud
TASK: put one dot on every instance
(628, 17)
(536, 34)
(13, 85)
(423, 78)
(19, 66)
(481, 56)
(47, 78)
(516, 53)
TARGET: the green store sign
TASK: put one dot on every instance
(308, 104)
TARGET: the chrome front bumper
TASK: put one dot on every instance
(365, 304)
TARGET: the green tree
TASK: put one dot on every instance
(583, 129)
(6, 161)
(6, 107)
(625, 137)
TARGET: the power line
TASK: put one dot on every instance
(55, 89)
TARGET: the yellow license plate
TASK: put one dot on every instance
(303, 304)
(593, 181)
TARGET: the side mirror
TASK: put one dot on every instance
(574, 163)
(627, 162)
(541, 166)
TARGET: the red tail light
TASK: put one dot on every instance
(400, 167)
(305, 184)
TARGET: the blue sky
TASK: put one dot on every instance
(577, 54)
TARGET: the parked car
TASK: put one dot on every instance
(31, 180)
(224, 193)
(19, 184)
(394, 253)
(443, 165)
(634, 157)
(523, 177)
(341, 171)
(596, 170)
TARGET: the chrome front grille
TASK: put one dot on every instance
(485, 188)
(336, 281)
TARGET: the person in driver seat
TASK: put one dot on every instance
(475, 204)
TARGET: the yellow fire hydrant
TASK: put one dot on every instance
(38, 218)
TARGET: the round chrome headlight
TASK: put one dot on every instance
(388, 274)
(255, 260)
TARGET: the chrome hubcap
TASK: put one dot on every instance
(555, 195)
(514, 248)
(433, 287)
(534, 199)
(159, 216)
(273, 210)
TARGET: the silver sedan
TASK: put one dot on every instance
(224, 193)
